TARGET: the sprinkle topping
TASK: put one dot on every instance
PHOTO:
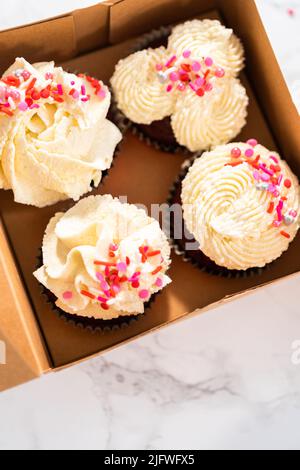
(180, 73)
(269, 178)
(22, 92)
(118, 275)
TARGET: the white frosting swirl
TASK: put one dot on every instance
(54, 152)
(209, 38)
(216, 118)
(74, 241)
(139, 93)
(229, 216)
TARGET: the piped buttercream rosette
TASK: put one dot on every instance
(55, 139)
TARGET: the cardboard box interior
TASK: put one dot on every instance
(272, 119)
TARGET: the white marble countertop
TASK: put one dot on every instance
(229, 379)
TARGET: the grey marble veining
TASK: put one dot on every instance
(229, 379)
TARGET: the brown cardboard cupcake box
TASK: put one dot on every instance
(93, 40)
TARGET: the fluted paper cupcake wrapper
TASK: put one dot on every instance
(91, 324)
(196, 257)
(155, 38)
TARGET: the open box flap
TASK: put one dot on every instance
(22, 354)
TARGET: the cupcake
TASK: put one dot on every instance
(186, 94)
(241, 207)
(103, 260)
(55, 140)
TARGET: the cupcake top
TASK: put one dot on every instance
(54, 136)
(241, 203)
(104, 259)
(192, 80)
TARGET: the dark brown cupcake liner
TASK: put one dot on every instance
(95, 326)
(196, 257)
(155, 38)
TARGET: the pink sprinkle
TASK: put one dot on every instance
(169, 88)
(72, 83)
(193, 86)
(276, 193)
(67, 295)
(76, 95)
(26, 75)
(220, 73)
(100, 277)
(49, 76)
(83, 90)
(23, 106)
(186, 54)
(272, 157)
(256, 175)
(263, 167)
(135, 276)
(293, 213)
(208, 87)
(159, 67)
(252, 142)
(113, 247)
(209, 62)
(122, 267)
(280, 178)
(116, 289)
(85, 99)
(249, 153)
(279, 215)
(60, 89)
(144, 294)
(34, 106)
(196, 66)
(265, 177)
(276, 223)
(159, 282)
(199, 82)
(271, 188)
(108, 294)
(171, 60)
(106, 271)
(104, 286)
(102, 299)
(174, 77)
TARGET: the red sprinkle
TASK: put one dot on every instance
(288, 183)
(157, 270)
(31, 85)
